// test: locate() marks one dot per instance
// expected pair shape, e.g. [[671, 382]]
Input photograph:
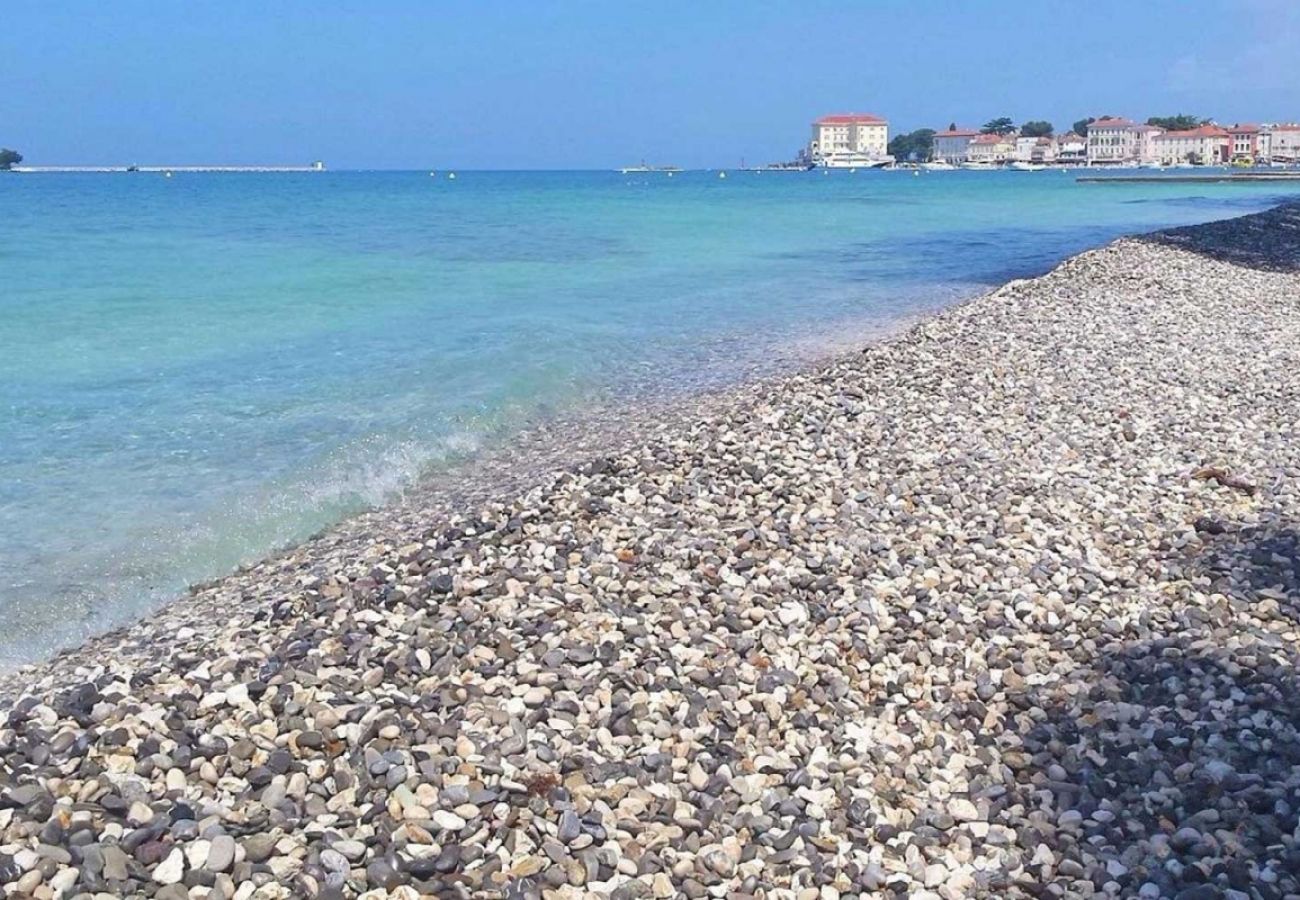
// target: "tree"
[[1081, 127], [1002, 125], [952, 126], [1180, 122], [1036, 128], [9, 158], [917, 144]]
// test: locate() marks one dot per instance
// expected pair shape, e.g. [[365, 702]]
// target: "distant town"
[[860, 140]]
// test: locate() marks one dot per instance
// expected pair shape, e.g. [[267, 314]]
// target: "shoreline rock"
[[1007, 606]]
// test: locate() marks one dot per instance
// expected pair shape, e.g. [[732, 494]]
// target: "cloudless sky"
[[536, 84]]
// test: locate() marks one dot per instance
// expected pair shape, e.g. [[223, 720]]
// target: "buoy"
[[916, 174], [670, 174], [433, 174], [452, 176], [722, 174]]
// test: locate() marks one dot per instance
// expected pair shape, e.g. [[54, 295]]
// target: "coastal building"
[[991, 149], [1112, 140], [1244, 142], [849, 136], [952, 146], [1206, 145], [1024, 150], [1071, 148], [1144, 143], [1284, 142]]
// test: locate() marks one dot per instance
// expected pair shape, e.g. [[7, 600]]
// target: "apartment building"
[[1112, 140], [991, 148], [1284, 142], [849, 134], [1206, 145], [953, 145]]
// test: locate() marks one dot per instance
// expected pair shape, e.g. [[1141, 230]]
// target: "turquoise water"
[[196, 369]]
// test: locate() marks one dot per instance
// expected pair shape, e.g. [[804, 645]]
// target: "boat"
[[796, 166], [852, 159], [978, 165], [629, 170], [1026, 166], [938, 165]]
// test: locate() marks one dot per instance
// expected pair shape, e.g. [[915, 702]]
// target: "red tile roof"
[[989, 139], [851, 119], [1201, 132], [957, 132], [1112, 122], [1244, 128], [1285, 126]]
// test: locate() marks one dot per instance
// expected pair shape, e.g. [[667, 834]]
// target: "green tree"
[[1081, 127], [1002, 125], [1180, 122], [913, 145], [9, 158], [1036, 128]]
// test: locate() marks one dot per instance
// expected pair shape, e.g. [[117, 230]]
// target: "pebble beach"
[[1005, 606]]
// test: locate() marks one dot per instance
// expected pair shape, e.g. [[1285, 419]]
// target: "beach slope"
[[1008, 606]]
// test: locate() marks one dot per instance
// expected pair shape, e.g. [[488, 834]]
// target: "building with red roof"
[[849, 134], [1115, 140], [1248, 141], [991, 148], [851, 119], [953, 145], [1206, 145]]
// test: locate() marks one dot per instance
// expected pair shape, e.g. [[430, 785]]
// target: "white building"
[[849, 135], [1024, 151], [1284, 142], [1035, 149], [1071, 148], [1206, 145], [953, 145], [1112, 141]]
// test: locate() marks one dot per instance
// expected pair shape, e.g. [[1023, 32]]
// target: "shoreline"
[[543, 449], [913, 619]]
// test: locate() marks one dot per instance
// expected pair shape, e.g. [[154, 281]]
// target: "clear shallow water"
[[197, 369]]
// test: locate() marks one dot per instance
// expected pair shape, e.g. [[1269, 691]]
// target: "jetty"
[[1220, 178]]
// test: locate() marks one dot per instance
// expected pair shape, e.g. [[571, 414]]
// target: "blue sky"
[[497, 84]]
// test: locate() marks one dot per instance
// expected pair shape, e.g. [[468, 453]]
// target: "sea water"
[[195, 370]]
